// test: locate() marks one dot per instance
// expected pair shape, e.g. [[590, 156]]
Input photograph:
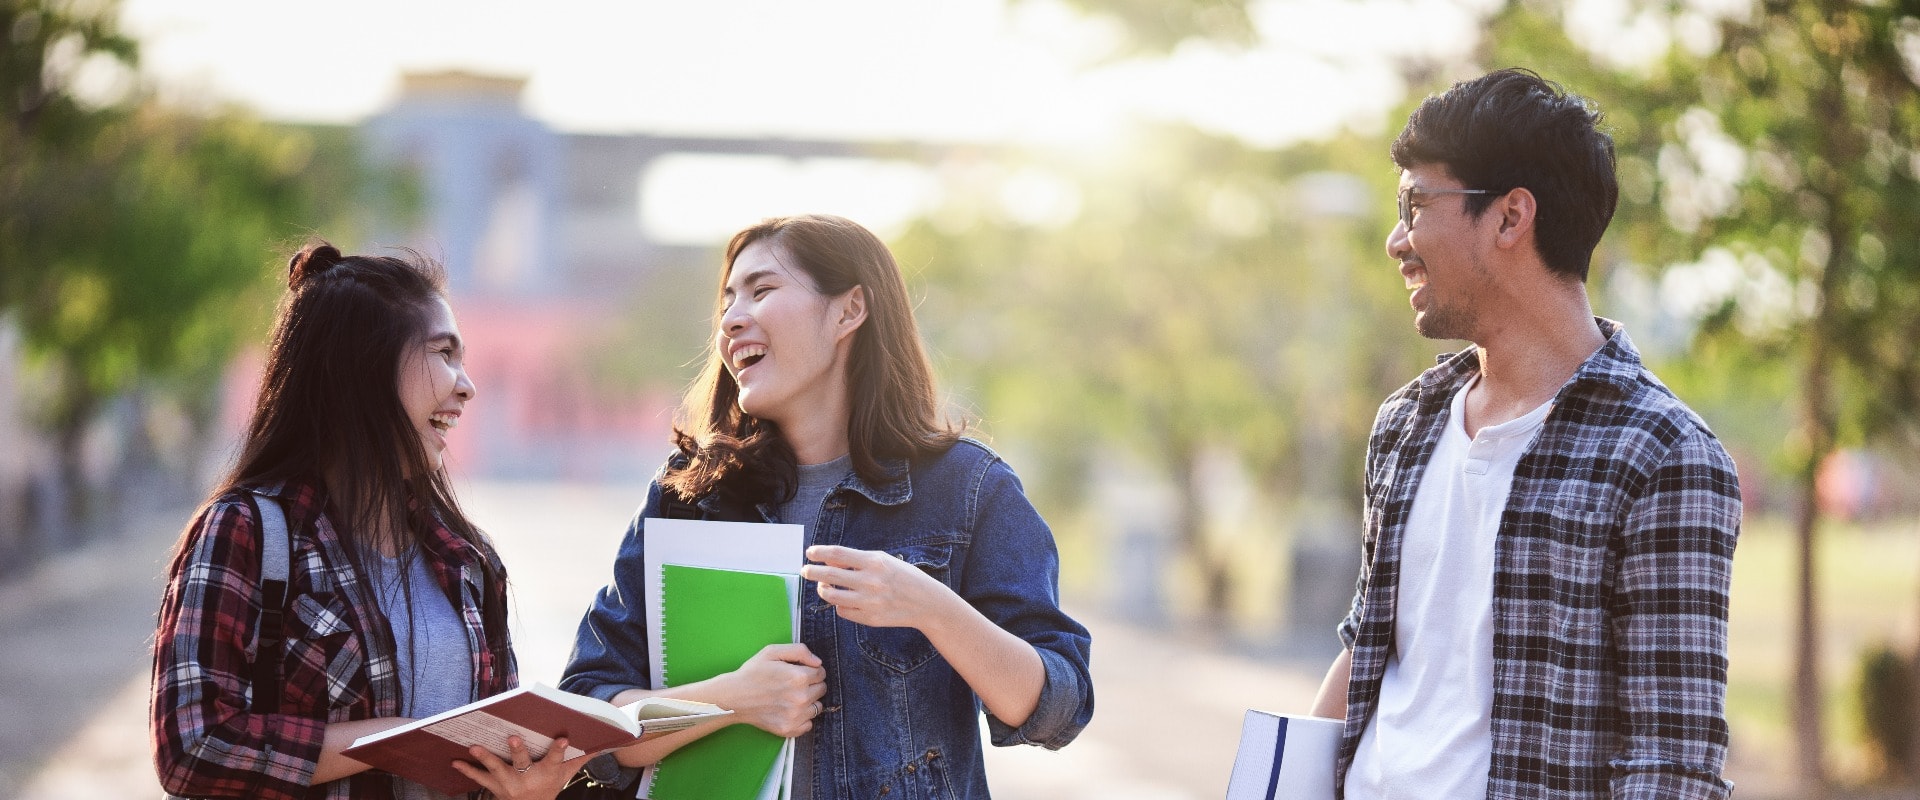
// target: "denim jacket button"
[[910, 769], [886, 789]]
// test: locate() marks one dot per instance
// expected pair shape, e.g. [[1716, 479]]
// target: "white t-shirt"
[[1431, 733]]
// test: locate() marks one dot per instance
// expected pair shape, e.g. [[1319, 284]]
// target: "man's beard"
[[1442, 321]]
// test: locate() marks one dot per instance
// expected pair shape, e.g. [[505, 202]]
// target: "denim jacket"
[[899, 723]]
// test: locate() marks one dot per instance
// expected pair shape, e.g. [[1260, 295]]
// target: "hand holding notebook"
[[715, 622], [776, 689]]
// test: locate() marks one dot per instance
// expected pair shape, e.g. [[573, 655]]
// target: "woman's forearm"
[[340, 736], [1003, 669]]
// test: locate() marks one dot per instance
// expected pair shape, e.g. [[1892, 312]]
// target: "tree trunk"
[[1190, 522], [1839, 143], [1913, 685], [1809, 738], [64, 524]]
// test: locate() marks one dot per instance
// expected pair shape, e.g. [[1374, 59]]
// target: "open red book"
[[423, 750]]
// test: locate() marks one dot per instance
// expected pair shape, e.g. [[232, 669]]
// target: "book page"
[[491, 732], [590, 706], [658, 708]]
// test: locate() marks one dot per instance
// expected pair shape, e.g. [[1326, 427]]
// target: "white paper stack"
[[1285, 757]]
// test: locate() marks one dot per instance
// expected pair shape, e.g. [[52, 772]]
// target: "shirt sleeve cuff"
[[1056, 718], [1662, 780]]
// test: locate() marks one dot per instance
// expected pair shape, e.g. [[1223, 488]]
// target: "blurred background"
[[1145, 237]]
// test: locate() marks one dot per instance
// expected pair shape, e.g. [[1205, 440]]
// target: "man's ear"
[[853, 310], [1517, 211]]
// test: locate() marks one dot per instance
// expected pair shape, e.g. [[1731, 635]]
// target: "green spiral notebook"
[[712, 621]]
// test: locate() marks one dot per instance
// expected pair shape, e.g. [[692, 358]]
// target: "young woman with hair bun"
[[395, 604]]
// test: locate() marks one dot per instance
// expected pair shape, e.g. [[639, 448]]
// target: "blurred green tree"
[[1194, 297], [138, 241]]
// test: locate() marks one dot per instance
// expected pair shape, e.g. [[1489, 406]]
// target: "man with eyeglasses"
[[1549, 531]]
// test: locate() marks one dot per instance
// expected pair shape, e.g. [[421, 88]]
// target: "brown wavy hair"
[[895, 407]]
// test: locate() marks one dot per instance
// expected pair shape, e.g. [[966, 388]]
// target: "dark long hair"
[[329, 405], [896, 410]]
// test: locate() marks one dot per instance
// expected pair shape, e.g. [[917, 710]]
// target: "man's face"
[[1442, 256]]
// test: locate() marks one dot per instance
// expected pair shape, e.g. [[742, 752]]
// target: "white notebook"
[[1285, 757]]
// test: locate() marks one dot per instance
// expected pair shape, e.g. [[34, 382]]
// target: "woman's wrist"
[[949, 616]]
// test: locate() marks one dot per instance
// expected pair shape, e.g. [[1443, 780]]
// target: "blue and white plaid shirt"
[[1611, 576]]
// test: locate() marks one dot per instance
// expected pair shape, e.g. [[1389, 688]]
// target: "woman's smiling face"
[[434, 387], [780, 337]]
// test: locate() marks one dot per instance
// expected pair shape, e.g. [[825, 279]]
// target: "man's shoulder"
[[1646, 404], [1640, 427]]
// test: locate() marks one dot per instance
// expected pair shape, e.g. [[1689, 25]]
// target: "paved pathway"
[[73, 665]]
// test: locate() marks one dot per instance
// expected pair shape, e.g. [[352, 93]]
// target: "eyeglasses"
[[1406, 200]]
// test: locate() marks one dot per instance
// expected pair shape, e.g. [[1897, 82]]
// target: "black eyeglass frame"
[[1406, 200]]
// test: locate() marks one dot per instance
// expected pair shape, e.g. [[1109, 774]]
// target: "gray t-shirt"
[[816, 480], [432, 658]]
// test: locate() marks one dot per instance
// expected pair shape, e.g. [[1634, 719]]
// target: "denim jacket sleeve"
[[1013, 578], [610, 649]]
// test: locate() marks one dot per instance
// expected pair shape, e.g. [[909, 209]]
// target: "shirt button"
[[886, 790], [910, 769]]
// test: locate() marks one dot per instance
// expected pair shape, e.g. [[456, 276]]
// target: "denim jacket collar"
[[894, 488]]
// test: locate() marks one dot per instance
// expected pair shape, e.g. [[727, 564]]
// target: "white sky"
[[925, 69], [1030, 71]]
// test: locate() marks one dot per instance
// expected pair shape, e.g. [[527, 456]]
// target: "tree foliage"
[[139, 243], [1194, 297]]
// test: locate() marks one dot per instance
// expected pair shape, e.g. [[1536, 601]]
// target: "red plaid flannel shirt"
[[338, 662]]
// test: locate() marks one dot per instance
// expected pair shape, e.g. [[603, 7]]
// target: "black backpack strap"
[[672, 505], [275, 564]]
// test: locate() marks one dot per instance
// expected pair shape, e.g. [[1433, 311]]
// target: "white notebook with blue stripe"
[[1285, 757]]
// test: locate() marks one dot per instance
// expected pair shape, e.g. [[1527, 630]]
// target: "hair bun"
[[314, 259]]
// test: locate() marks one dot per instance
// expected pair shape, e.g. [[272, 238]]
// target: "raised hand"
[[873, 587]]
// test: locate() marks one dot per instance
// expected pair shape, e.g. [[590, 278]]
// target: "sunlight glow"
[[1032, 71], [701, 199], [1027, 72]]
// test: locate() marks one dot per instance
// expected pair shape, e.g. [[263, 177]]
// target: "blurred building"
[[543, 237]]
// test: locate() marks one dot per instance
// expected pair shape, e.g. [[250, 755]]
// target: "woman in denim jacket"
[[932, 584]]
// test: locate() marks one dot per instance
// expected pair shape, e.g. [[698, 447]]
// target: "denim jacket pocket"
[[905, 649], [923, 778], [324, 643]]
